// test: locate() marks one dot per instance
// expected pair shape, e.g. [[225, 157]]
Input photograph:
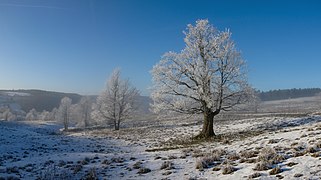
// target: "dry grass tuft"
[[262, 166], [143, 170], [255, 175], [205, 162], [275, 171], [290, 164], [137, 165], [298, 175], [167, 165], [311, 149], [216, 169], [249, 154], [228, 169], [233, 156]]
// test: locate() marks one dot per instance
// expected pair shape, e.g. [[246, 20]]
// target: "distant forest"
[[288, 93]]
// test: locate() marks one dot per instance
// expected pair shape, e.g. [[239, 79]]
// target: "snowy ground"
[[289, 147]]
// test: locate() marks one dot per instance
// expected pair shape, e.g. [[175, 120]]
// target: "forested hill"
[[288, 93], [47, 100], [38, 99]]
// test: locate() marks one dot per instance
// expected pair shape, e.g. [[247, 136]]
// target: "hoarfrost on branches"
[[117, 102], [206, 77], [64, 111]]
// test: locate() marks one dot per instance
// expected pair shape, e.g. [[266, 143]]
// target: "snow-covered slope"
[[31, 150]]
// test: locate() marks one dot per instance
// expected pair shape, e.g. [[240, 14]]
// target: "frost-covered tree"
[[45, 116], [82, 111], [8, 115], [208, 76], [117, 102], [64, 111], [32, 115], [86, 108]]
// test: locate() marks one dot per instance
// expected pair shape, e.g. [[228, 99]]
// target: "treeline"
[[288, 93]]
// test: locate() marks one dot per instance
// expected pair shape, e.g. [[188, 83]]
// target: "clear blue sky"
[[73, 45]]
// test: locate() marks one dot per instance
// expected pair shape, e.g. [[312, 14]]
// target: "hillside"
[[287, 93], [47, 100], [38, 99]]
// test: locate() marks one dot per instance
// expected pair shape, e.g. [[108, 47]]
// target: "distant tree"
[[86, 108], [254, 101], [53, 114], [64, 111], [7, 115], [82, 111], [208, 76], [117, 102], [45, 116], [32, 115]]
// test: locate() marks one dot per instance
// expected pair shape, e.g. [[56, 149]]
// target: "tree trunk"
[[207, 130], [118, 123], [115, 125], [65, 122]]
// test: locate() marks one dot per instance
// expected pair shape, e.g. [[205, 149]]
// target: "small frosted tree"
[[82, 111], [64, 111], [8, 115], [117, 102], [208, 76], [32, 115], [45, 116]]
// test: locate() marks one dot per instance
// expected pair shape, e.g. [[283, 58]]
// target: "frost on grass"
[[267, 158], [228, 169]]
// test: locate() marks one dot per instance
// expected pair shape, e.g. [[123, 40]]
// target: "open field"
[[269, 146], [281, 140]]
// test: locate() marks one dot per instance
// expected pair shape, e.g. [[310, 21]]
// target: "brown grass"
[[275, 171], [228, 169]]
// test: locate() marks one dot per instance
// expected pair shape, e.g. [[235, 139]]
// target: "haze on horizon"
[[72, 46]]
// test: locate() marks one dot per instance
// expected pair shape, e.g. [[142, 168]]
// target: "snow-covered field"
[[262, 148]]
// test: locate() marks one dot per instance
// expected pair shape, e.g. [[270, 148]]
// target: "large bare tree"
[[117, 102], [208, 76]]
